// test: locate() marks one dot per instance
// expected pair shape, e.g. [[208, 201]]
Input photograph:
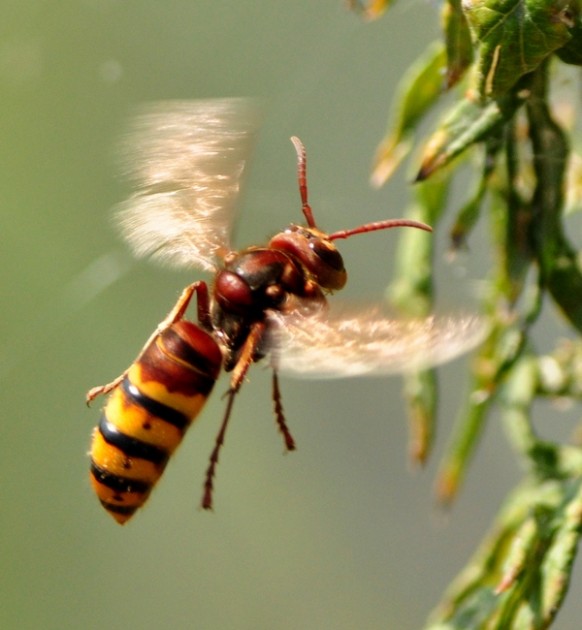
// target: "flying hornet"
[[265, 302]]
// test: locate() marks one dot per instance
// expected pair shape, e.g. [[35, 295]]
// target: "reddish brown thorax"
[[296, 264]]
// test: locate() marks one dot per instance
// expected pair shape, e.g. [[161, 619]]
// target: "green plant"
[[504, 59]]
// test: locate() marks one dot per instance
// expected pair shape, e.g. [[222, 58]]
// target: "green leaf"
[[419, 89], [457, 41], [515, 37], [560, 263], [421, 397], [520, 574], [470, 211], [572, 51], [469, 121], [412, 295]]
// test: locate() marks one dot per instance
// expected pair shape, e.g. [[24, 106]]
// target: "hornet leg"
[[175, 315]]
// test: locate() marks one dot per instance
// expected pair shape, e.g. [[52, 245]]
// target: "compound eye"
[[328, 255], [326, 264]]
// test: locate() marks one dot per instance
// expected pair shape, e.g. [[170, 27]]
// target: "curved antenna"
[[302, 180], [380, 225], [362, 229]]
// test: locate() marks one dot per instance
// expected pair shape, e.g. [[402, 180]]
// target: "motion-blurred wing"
[[368, 343], [186, 159]]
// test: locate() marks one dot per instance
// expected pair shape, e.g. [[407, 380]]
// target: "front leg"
[[247, 354]]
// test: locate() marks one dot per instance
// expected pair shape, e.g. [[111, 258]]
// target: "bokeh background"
[[339, 534]]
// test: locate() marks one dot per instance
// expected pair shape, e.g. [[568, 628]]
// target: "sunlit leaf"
[[419, 89], [469, 121], [519, 576], [457, 41], [515, 37]]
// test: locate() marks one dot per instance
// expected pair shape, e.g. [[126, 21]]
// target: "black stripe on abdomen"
[[129, 446], [153, 407], [117, 483]]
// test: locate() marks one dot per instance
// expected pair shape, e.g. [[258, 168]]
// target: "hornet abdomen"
[[148, 413]]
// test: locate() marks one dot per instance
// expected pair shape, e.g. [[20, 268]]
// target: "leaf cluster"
[[501, 61]]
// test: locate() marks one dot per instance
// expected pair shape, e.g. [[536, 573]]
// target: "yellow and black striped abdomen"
[[147, 415]]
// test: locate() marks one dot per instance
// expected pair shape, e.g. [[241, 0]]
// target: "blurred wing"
[[186, 159], [368, 343]]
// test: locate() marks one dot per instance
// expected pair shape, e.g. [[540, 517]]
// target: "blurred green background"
[[338, 534]]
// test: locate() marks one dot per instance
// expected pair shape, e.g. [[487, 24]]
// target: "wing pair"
[[187, 160]]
